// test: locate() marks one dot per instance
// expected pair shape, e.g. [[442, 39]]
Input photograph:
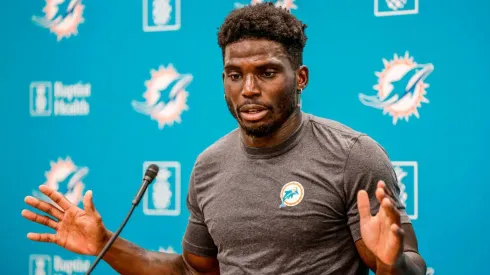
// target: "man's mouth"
[[253, 112]]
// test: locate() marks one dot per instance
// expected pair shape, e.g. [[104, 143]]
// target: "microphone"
[[150, 174]]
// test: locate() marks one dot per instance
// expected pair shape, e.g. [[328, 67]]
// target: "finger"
[[44, 220], [47, 238], [396, 239], [388, 195], [382, 184], [380, 194], [56, 196], [397, 230], [88, 204], [391, 211], [387, 191], [44, 206], [363, 206]]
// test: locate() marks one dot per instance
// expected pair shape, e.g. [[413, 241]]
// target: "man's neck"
[[286, 130]]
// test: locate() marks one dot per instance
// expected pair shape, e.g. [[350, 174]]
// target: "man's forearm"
[[410, 263], [127, 258]]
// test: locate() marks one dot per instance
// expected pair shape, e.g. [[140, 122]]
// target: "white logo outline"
[[177, 187], [49, 98], [164, 27], [46, 258], [414, 164], [378, 13]]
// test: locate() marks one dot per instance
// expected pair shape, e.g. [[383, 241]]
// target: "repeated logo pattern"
[[400, 92]]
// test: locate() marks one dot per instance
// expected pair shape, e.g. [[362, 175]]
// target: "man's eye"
[[268, 74], [234, 76]]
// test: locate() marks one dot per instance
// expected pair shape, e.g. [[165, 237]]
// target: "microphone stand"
[[111, 240], [150, 175]]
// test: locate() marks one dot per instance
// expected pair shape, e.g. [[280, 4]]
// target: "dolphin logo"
[[164, 79], [63, 11], [292, 194], [61, 17], [288, 194], [400, 87]]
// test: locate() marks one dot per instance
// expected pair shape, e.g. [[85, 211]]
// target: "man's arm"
[[127, 258], [199, 255], [379, 224], [411, 263]]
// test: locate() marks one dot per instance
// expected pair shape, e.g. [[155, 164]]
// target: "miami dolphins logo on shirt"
[[292, 194]]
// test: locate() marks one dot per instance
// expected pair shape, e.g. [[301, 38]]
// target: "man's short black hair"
[[265, 21]]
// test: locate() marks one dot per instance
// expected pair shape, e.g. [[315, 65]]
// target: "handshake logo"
[[54, 265]]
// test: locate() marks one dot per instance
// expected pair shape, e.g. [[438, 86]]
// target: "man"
[[285, 193]]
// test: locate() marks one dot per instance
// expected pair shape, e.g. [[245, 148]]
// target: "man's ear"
[[302, 75]]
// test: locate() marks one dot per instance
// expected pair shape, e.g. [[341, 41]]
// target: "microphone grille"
[[151, 172]]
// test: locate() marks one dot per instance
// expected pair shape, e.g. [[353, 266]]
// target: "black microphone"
[[150, 174]]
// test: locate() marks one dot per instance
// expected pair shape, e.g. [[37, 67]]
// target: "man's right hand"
[[77, 230], [82, 232]]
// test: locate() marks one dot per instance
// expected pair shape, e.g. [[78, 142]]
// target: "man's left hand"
[[382, 234]]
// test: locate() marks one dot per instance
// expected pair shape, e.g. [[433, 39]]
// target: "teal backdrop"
[[93, 91]]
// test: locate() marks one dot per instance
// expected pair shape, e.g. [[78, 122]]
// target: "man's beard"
[[285, 108]]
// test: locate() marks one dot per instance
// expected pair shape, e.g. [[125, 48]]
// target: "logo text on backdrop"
[[53, 265], [395, 7], [161, 15], [59, 99], [407, 177], [67, 178], [166, 110], [61, 17], [163, 195], [401, 89]]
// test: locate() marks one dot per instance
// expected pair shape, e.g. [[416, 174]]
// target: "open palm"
[[77, 230], [382, 234]]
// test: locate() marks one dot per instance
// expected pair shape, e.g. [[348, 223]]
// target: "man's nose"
[[250, 87]]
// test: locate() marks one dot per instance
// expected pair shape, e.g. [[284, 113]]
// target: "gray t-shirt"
[[287, 209]]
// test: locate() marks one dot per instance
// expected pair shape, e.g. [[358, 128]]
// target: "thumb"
[[363, 206], [88, 204]]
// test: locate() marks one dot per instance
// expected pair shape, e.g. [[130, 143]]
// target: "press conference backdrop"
[[93, 91]]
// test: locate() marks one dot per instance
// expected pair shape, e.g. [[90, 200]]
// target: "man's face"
[[260, 85]]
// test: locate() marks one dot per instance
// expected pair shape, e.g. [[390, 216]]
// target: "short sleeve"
[[197, 239], [365, 166]]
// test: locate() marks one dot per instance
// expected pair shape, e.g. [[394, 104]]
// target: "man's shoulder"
[[220, 148], [355, 144], [331, 128], [344, 140]]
